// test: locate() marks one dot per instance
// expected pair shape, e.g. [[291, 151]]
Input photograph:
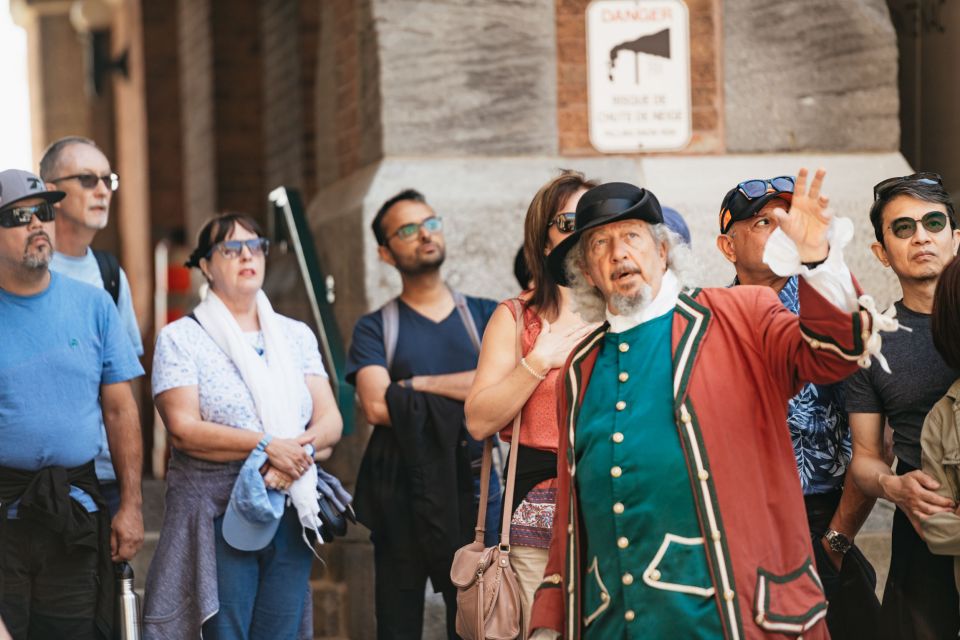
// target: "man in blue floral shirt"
[[816, 418]]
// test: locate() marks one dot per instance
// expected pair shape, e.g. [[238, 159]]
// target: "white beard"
[[632, 305]]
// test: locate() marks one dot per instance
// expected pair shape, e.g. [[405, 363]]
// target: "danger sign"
[[638, 70]]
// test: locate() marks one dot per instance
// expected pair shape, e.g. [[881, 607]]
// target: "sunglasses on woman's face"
[[231, 249], [565, 222], [933, 221], [21, 216]]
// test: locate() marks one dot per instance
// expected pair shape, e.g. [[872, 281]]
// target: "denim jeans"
[[261, 592]]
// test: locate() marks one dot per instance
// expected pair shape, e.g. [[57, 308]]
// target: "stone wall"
[[465, 78], [815, 75]]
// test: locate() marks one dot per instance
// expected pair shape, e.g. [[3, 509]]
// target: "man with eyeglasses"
[[915, 226], [75, 166], [426, 340], [815, 417], [65, 369]]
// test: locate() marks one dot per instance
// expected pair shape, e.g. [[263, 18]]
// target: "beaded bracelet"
[[526, 365], [262, 445]]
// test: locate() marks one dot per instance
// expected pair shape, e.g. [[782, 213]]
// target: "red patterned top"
[[538, 420]]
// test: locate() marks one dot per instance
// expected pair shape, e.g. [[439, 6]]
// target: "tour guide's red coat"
[[738, 356]]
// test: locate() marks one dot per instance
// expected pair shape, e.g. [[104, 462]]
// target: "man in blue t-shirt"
[[433, 352], [77, 167], [65, 364]]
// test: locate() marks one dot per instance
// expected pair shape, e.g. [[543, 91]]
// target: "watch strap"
[[838, 541]]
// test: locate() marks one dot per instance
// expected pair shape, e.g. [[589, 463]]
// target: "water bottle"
[[128, 604]]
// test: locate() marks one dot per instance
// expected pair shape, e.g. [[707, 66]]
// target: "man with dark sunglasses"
[[816, 419], [76, 167], [65, 369], [914, 222]]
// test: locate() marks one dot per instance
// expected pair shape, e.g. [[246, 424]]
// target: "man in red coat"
[[679, 511]]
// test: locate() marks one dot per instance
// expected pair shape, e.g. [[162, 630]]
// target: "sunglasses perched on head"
[[758, 188], [565, 222], [932, 221], [924, 177], [21, 216], [408, 231], [90, 180], [231, 249]]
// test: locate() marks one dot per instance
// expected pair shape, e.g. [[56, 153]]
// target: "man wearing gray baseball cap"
[[65, 362]]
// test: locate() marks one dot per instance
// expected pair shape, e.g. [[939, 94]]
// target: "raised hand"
[[551, 349], [808, 219]]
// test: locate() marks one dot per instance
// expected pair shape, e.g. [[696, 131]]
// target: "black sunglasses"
[[932, 221], [21, 216], [752, 189], [231, 249], [90, 180], [566, 222], [923, 177]]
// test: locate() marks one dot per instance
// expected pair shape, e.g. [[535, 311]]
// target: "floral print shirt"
[[818, 425]]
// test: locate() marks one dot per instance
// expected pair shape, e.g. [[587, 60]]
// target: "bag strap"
[[390, 315], [511, 464], [109, 272], [461, 301]]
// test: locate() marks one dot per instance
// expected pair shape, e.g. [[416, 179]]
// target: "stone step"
[[329, 610]]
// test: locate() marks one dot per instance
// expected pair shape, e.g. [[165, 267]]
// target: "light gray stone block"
[[462, 77], [814, 75], [483, 202]]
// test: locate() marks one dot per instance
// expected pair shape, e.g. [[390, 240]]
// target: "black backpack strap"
[[109, 273]]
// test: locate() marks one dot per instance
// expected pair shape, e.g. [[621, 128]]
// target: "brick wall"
[[282, 91], [198, 171], [163, 101], [309, 21], [238, 108], [346, 92], [706, 85]]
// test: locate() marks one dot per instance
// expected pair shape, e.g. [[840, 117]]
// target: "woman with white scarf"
[[232, 377]]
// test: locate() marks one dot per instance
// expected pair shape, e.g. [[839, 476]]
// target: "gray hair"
[[50, 161], [589, 302]]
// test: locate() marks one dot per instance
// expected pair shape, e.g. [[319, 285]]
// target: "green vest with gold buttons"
[[646, 573]]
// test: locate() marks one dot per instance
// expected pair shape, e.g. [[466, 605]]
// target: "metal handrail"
[[290, 217]]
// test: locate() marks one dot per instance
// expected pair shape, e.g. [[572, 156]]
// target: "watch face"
[[838, 542]]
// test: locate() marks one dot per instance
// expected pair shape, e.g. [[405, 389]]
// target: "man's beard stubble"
[[418, 266], [632, 305], [39, 258]]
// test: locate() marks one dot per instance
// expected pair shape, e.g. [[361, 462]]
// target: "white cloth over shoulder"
[[272, 381], [832, 280]]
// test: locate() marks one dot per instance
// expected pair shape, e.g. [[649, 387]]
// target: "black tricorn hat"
[[606, 203]]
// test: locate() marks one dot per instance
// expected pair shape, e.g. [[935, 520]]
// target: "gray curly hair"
[[589, 302]]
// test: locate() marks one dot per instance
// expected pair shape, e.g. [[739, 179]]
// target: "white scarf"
[[273, 381]]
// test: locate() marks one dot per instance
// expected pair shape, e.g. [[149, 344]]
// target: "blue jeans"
[[261, 592]]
